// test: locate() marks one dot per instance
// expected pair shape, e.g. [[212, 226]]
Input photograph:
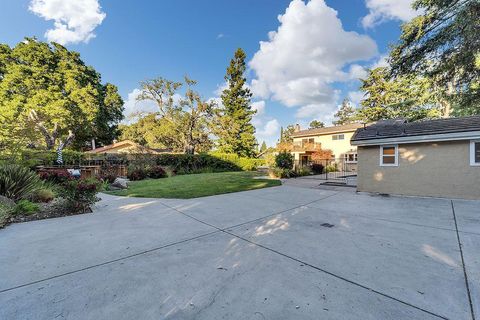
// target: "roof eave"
[[297, 135], [469, 135]]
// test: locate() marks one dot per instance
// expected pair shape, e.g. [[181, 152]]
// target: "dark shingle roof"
[[395, 129], [327, 130]]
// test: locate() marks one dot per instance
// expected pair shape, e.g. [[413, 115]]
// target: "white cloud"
[[385, 10], [305, 56], [381, 62], [132, 106], [74, 20], [259, 106], [355, 97], [357, 72], [271, 129], [220, 36]]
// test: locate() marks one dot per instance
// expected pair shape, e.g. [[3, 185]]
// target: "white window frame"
[[396, 156], [472, 153], [355, 157]]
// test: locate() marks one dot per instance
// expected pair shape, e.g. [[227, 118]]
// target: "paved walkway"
[[279, 253]]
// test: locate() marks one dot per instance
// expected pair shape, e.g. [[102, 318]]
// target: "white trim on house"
[[472, 153], [395, 164], [472, 135]]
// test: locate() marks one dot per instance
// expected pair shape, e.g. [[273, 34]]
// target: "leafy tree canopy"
[[316, 124], [63, 93], [442, 44], [233, 121], [182, 123]]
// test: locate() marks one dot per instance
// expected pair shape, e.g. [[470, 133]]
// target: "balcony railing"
[[303, 147]]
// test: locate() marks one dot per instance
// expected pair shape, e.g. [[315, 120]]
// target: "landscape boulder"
[[120, 183]]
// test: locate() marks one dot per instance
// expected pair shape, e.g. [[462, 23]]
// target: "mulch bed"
[[53, 209]]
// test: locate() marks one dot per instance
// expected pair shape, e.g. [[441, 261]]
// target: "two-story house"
[[336, 139]]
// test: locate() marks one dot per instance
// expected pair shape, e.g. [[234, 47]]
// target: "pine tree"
[[234, 128], [346, 114], [263, 148]]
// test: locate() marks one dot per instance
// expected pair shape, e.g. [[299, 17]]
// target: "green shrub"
[[25, 207], [18, 182], [33, 158], [281, 173], [137, 174], [246, 164], [284, 160], [156, 172], [5, 213], [304, 171], [187, 163], [317, 168], [80, 193], [43, 195], [270, 159], [331, 167]]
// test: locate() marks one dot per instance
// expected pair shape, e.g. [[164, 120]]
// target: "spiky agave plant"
[[18, 182]]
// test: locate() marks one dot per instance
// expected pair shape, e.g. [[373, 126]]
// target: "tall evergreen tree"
[[410, 96], [263, 148], [442, 44], [346, 114], [233, 125]]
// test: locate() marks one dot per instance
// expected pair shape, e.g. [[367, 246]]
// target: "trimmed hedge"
[[180, 163], [33, 158], [246, 164]]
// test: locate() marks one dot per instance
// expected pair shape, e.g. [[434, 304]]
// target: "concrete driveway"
[[280, 253]]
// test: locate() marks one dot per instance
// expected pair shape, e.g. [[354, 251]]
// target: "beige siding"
[[338, 147], [424, 169]]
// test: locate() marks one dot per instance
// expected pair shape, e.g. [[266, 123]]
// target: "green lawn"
[[196, 185]]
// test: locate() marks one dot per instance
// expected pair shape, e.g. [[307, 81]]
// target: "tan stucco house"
[[438, 158], [336, 139]]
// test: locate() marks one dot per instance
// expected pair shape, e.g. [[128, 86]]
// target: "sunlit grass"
[[196, 185]]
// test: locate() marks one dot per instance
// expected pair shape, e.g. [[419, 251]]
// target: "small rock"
[[297, 307], [120, 183]]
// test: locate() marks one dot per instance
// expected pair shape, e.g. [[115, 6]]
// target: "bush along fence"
[[117, 164]]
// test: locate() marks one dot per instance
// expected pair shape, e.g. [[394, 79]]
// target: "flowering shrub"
[[80, 193], [57, 176], [157, 172]]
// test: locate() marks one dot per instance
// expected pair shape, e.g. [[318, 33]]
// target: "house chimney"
[[93, 144], [297, 127]]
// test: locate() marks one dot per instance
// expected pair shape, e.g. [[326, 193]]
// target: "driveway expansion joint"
[[226, 231], [463, 262], [109, 262]]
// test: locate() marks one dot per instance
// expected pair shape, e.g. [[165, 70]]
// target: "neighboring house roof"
[[419, 131], [327, 130], [127, 144]]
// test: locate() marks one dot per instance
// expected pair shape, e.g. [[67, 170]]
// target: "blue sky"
[[300, 73]]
